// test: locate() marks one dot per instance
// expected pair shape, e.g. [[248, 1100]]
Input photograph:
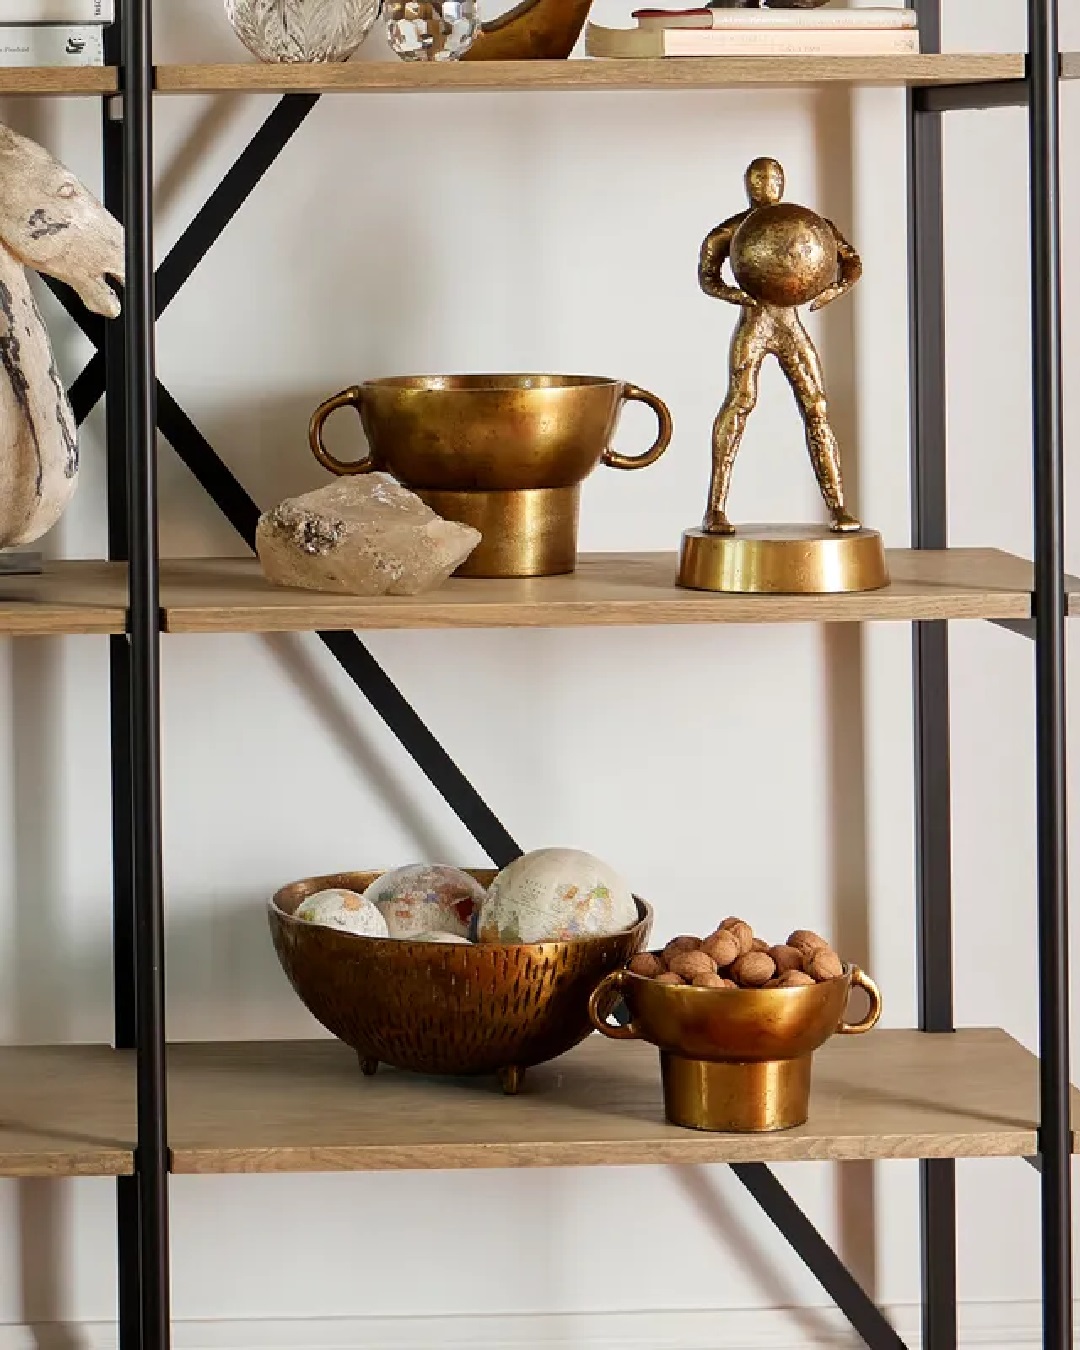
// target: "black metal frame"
[[139, 405]]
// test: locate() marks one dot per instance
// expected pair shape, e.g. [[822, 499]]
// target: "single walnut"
[[728, 984], [774, 983], [645, 963], [669, 977], [743, 932], [723, 947], [805, 940], [824, 965], [795, 979], [690, 964], [759, 945], [786, 958], [712, 981], [753, 969], [685, 943]]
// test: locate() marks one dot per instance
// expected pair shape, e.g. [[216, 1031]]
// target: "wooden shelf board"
[[68, 597], [303, 1106], [231, 595], [684, 73], [57, 80], [66, 1111]]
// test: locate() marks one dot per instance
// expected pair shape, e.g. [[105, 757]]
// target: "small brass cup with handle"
[[506, 454], [734, 1059]]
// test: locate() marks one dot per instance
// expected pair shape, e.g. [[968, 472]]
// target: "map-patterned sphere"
[[553, 894], [424, 898], [343, 909], [784, 255]]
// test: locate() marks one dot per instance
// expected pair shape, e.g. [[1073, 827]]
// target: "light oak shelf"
[[303, 1106], [67, 598], [374, 77], [231, 595], [57, 80], [684, 73]]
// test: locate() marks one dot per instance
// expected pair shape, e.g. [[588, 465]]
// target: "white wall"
[[721, 770]]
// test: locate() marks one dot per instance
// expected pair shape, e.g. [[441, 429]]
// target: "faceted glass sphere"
[[784, 255], [432, 30], [302, 30]]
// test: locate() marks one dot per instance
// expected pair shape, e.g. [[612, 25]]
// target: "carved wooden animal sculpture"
[[533, 30], [50, 222]]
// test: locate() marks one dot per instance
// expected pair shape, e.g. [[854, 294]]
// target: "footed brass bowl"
[[445, 1008], [734, 1059]]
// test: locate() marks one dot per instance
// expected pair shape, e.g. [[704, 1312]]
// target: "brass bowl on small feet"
[[444, 1008], [734, 1059]]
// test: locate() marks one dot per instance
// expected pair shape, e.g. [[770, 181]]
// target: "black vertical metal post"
[[930, 656], [1055, 1142], [151, 1161], [129, 1308]]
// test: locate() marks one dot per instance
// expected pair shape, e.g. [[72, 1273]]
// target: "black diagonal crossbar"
[[347, 649], [819, 1258], [198, 239]]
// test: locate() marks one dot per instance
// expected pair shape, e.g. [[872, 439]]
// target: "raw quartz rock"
[[365, 535]]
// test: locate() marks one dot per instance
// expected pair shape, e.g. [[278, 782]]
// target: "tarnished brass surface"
[[505, 453], [783, 560], [493, 433], [734, 1059], [781, 256], [443, 1008], [535, 30], [528, 533]]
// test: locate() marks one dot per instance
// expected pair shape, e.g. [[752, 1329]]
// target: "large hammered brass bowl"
[[735, 1059], [445, 1008]]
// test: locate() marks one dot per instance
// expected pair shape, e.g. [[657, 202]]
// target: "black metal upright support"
[[930, 656], [1055, 1139], [129, 1308], [151, 1157]]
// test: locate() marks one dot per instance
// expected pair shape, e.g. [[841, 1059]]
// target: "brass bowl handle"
[[632, 394], [873, 1016], [610, 984], [348, 398]]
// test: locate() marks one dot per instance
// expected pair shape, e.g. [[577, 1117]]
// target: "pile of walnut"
[[733, 958]]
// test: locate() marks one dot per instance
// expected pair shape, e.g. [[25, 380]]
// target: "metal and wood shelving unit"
[[137, 1111]]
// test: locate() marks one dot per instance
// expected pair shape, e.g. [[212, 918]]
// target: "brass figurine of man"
[[782, 256]]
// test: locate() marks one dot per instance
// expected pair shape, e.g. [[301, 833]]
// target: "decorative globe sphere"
[[553, 894], [784, 255]]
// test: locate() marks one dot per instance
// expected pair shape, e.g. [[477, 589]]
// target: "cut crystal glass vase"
[[302, 30]]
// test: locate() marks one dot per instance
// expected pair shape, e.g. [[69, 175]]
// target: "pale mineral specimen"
[[365, 535]]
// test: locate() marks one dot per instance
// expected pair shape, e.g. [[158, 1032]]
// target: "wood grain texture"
[[57, 80], [684, 73], [66, 1111], [69, 597], [231, 595], [304, 1106]]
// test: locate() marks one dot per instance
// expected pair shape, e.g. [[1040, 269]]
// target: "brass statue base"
[[705, 1095], [527, 532], [783, 560]]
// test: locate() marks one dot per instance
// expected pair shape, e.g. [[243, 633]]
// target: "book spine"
[[788, 20], [714, 42], [21, 12], [52, 45]]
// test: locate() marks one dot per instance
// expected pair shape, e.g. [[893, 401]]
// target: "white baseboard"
[[988, 1326]]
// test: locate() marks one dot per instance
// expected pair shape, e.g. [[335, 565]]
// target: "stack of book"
[[711, 31], [54, 32]]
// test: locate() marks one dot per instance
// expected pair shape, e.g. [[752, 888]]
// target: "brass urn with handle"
[[506, 454]]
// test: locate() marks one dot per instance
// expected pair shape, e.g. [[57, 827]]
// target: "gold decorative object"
[[782, 256], [445, 1008], [506, 454], [734, 1059], [533, 30]]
